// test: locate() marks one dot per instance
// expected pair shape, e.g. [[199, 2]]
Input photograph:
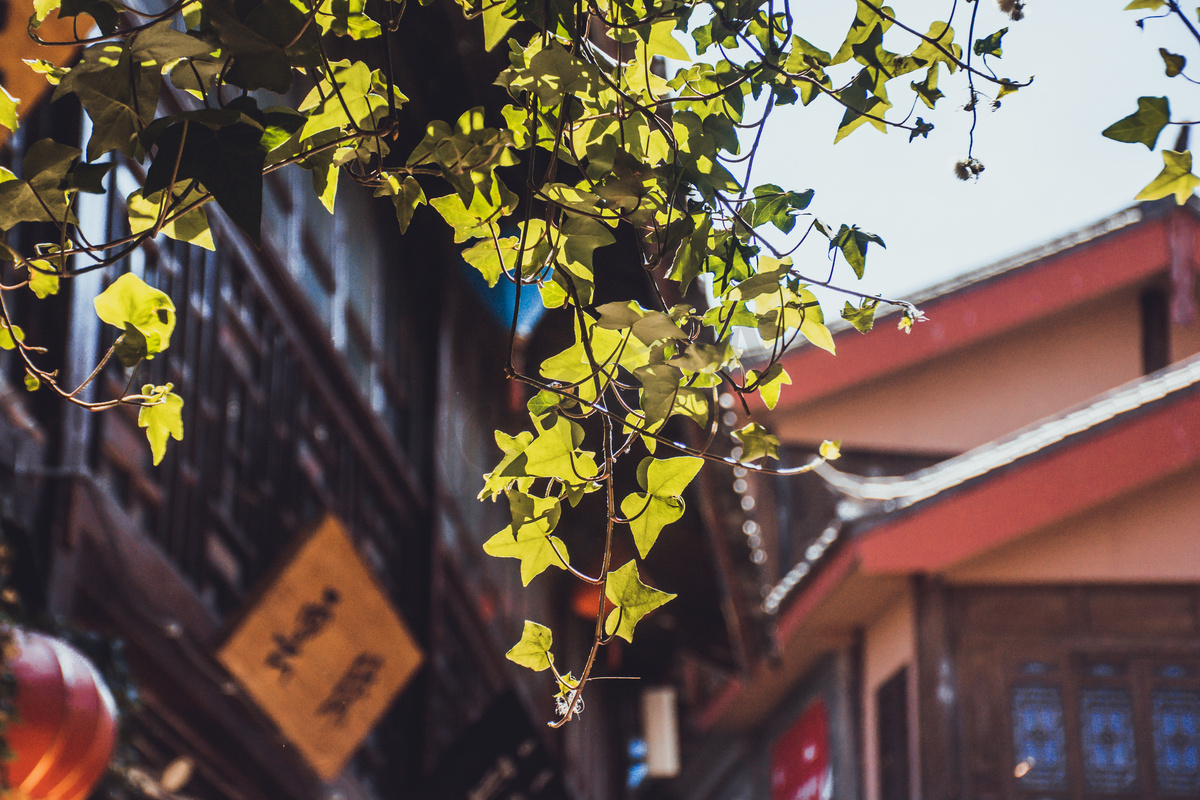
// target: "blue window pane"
[[1039, 737], [1177, 742], [1175, 671], [1106, 728], [1104, 670]]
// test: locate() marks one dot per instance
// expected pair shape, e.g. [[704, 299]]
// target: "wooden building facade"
[[331, 372], [995, 594]]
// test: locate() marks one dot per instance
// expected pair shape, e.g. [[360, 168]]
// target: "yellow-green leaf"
[[501, 477], [42, 279], [1176, 178], [9, 336], [831, 450], [130, 300], [42, 8], [530, 542], [632, 598], [771, 383], [756, 442], [495, 24], [533, 651], [8, 109], [662, 43], [648, 512], [32, 382], [192, 227], [817, 333], [162, 417]]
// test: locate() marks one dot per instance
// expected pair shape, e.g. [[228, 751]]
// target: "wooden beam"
[[938, 756]]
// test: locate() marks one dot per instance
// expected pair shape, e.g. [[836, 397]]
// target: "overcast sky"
[[1048, 169]]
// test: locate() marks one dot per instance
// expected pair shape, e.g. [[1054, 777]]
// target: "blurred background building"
[[994, 594]]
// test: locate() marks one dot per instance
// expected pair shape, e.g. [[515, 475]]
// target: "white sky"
[[1048, 169]]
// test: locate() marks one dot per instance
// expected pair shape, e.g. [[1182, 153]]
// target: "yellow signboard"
[[323, 652]]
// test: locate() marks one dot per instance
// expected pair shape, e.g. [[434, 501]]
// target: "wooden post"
[[938, 739]]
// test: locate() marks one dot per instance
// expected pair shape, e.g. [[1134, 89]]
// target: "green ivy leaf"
[[495, 25], [32, 382], [815, 331], [192, 227], [227, 157], [929, 53], [1144, 125], [499, 479], [1176, 178], [861, 107], [831, 450], [8, 109], [266, 39], [662, 42], [632, 598], [533, 651], [130, 347], [772, 204], [43, 280], [130, 301], [1173, 62], [475, 221], [555, 453], [660, 385], [756, 443], [10, 335], [162, 416], [43, 196], [406, 195], [347, 18], [861, 317], [770, 383], [990, 45], [853, 243], [42, 8], [927, 89], [528, 538], [41, 66], [348, 89], [664, 481]]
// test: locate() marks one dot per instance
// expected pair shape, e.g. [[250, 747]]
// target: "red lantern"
[[67, 720]]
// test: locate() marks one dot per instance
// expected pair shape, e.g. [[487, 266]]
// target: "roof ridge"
[[901, 491]]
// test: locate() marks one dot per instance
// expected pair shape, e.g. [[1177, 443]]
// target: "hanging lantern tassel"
[[67, 720]]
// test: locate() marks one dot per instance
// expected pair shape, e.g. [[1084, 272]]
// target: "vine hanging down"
[[614, 129]]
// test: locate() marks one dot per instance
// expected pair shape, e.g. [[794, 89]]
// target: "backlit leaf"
[[1176, 178], [533, 651], [162, 417], [632, 598], [528, 538], [129, 300]]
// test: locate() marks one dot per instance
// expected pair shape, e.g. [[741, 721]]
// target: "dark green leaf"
[[228, 161], [1173, 62], [990, 45], [1144, 125], [103, 12], [853, 243]]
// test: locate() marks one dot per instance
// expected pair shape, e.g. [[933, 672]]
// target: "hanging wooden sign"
[[322, 651]]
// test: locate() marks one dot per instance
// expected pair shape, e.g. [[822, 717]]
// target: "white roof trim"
[[902, 491]]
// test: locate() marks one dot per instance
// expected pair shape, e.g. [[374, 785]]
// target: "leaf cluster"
[[612, 131]]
